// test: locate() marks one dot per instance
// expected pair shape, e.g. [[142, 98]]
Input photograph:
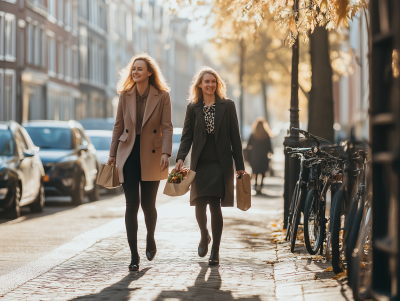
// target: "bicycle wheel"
[[352, 241], [362, 260], [291, 209], [337, 245], [312, 224], [299, 204]]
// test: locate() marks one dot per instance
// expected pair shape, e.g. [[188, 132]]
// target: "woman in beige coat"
[[141, 145]]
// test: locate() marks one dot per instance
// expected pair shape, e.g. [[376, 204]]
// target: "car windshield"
[[6, 143], [50, 138], [177, 138], [101, 143]]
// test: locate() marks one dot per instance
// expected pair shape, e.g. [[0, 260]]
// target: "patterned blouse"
[[209, 115]]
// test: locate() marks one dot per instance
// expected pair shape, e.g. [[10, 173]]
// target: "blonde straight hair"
[[156, 79], [195, 92]]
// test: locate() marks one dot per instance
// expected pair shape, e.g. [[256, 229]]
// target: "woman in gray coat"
[[211, 129]]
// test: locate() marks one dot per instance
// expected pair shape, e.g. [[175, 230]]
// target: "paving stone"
[[177, 273]]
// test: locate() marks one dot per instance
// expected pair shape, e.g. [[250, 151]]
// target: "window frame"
[[2, 42], [13, 20], [10, 72]]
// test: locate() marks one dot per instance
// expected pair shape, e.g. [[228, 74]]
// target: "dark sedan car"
[[21, 171], [69, 159]]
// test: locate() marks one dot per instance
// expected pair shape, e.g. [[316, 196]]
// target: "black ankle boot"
[[134, 266], [214, 258], [203, 245], [150, 254]]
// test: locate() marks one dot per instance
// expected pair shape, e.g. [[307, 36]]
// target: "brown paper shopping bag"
[[174, 189], [243, 192], [108, 176]]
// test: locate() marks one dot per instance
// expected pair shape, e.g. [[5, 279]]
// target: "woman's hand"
[[179, 165], [240, 172], [164, 162], [111, 160]]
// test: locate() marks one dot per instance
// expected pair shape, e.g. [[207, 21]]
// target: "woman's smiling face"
[[140, 72], [208, 84]]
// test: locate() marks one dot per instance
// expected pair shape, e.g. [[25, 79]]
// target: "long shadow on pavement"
[[203, 289], [118, 291]]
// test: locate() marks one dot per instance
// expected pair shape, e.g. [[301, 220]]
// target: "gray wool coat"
[[227, 140]]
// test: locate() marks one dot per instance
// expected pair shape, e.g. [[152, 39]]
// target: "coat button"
[[153, 151], [155, 131], [126, 130]]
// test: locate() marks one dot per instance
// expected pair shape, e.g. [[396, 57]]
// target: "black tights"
[[216, 218], [145, 195]]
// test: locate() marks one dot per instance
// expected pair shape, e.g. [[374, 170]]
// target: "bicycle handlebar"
[[305, 133]]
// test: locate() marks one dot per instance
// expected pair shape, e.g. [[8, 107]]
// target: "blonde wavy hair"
[[195, 92], [156, 79]]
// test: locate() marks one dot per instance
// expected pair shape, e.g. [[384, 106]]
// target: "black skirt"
[[209, 179]]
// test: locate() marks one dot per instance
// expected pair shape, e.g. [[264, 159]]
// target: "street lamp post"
[[292, 165]]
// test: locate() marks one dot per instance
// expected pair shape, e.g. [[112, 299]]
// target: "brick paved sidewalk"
[[177, 273]]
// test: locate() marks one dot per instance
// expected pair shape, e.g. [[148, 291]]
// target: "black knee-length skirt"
[[209, 179]]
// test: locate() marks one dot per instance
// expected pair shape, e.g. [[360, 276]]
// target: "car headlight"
[[3, 193]]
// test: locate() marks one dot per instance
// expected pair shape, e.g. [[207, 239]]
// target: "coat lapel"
[[131, 95], [198, 110], [152, 101], [219, 114]]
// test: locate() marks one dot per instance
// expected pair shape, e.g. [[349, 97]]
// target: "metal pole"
[[292, 165]]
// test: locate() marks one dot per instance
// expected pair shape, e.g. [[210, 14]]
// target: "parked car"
[[102, 142], [106, 124], [21, 171], [69, 159]]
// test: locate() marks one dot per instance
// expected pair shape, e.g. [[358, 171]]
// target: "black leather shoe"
[[214, 258], [134, 266], [203, 246], [151, 254]]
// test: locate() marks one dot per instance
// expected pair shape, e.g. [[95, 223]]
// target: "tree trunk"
[[320, 106], [264, 94]]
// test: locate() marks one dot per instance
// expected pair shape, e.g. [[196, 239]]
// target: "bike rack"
[[385, 146]]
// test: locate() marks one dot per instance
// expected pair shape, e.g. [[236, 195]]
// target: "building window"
[[36, 47], [1, 35], [68, 13], [9, 95], [68, 63], [52, 8], [29, 44], [83, 53], [21, 46], [76, 64], [43, 48], [60, 11], [60, 60], [51, 54], [9, 37]]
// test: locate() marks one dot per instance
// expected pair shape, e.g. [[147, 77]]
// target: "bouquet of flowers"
[[177, 176], [178, 182]]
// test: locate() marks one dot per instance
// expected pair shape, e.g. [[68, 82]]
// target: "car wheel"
[[79, 194], [94, 193], [15, 210], [38, 204]]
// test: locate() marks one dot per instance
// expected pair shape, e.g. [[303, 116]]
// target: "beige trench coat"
[[156, 136]]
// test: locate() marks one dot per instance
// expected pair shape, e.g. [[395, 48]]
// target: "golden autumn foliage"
[[239, 17]]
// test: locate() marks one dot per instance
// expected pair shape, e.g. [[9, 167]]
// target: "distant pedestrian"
[[211, 129], [141, 145], [259, 149]]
